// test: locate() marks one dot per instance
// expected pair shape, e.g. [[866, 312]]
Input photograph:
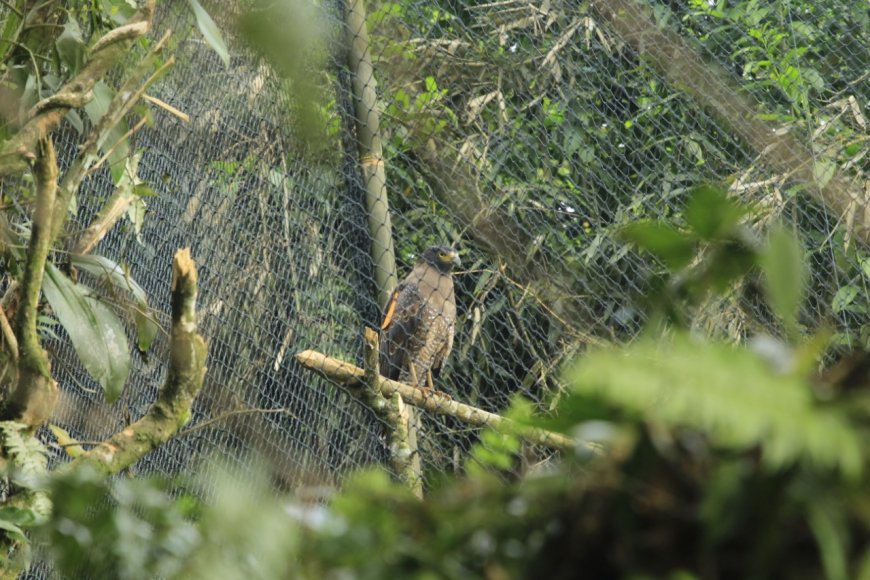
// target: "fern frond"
[[13, 441], [41, 505], [27, 458], [727, 392], [26, 453]]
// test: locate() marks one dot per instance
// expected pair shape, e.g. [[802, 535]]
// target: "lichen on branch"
[[35, 394], [20, 149], [186, 373]]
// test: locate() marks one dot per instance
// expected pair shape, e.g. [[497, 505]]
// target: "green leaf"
[[11, 22], [119, 10], [17, 516], [785, 274], [111, 271], [674, 247], [823, 171], [75, 120], [210, 31], [100, 266], [143, 190], [498, 449], [843, 298], [27, 454], [70, 46], [66, 441], [136, 214], [729, 393], [95, 331], [694, 148], [12, 531], [728, 262], [828, 526], [30, 94], [710, 213], [813, 78], [114, 137]]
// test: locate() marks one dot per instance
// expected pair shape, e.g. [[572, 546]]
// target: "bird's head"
[[442, 257]]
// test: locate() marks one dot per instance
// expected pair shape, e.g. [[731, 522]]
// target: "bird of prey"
[[419, 320]]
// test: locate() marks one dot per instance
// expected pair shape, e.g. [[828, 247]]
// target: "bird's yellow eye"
[[446, 257]]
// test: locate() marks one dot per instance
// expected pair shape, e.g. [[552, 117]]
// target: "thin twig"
[[167, 107], [77, 443], [12, 7], [96, 166], [209, 422], [124, 100], [550, 59], [9, 335], [582, 336]]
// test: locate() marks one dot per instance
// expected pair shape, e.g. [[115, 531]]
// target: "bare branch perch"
[[403, 439], [186, 372], [352, 376]]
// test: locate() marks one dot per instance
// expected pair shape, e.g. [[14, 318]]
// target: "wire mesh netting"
[[524, 134]]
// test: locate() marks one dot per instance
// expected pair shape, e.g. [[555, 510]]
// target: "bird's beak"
[[455, 257]]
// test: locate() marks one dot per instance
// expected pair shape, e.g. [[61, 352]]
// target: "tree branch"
[[125, 99], [46, 115], [172, 409], [403, 438], [352, 376], [8, 335], [106, 218], [35, 394]]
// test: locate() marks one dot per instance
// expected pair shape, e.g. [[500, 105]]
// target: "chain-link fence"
[[524, 134]]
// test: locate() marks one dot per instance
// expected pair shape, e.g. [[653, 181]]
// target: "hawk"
[[419, 320]]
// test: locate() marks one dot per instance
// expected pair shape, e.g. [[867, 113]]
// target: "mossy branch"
[[353, 377], [172, 410], [35, 394], [17, 152]]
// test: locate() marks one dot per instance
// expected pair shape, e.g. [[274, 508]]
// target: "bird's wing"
[[390, 310], [398, 331]]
